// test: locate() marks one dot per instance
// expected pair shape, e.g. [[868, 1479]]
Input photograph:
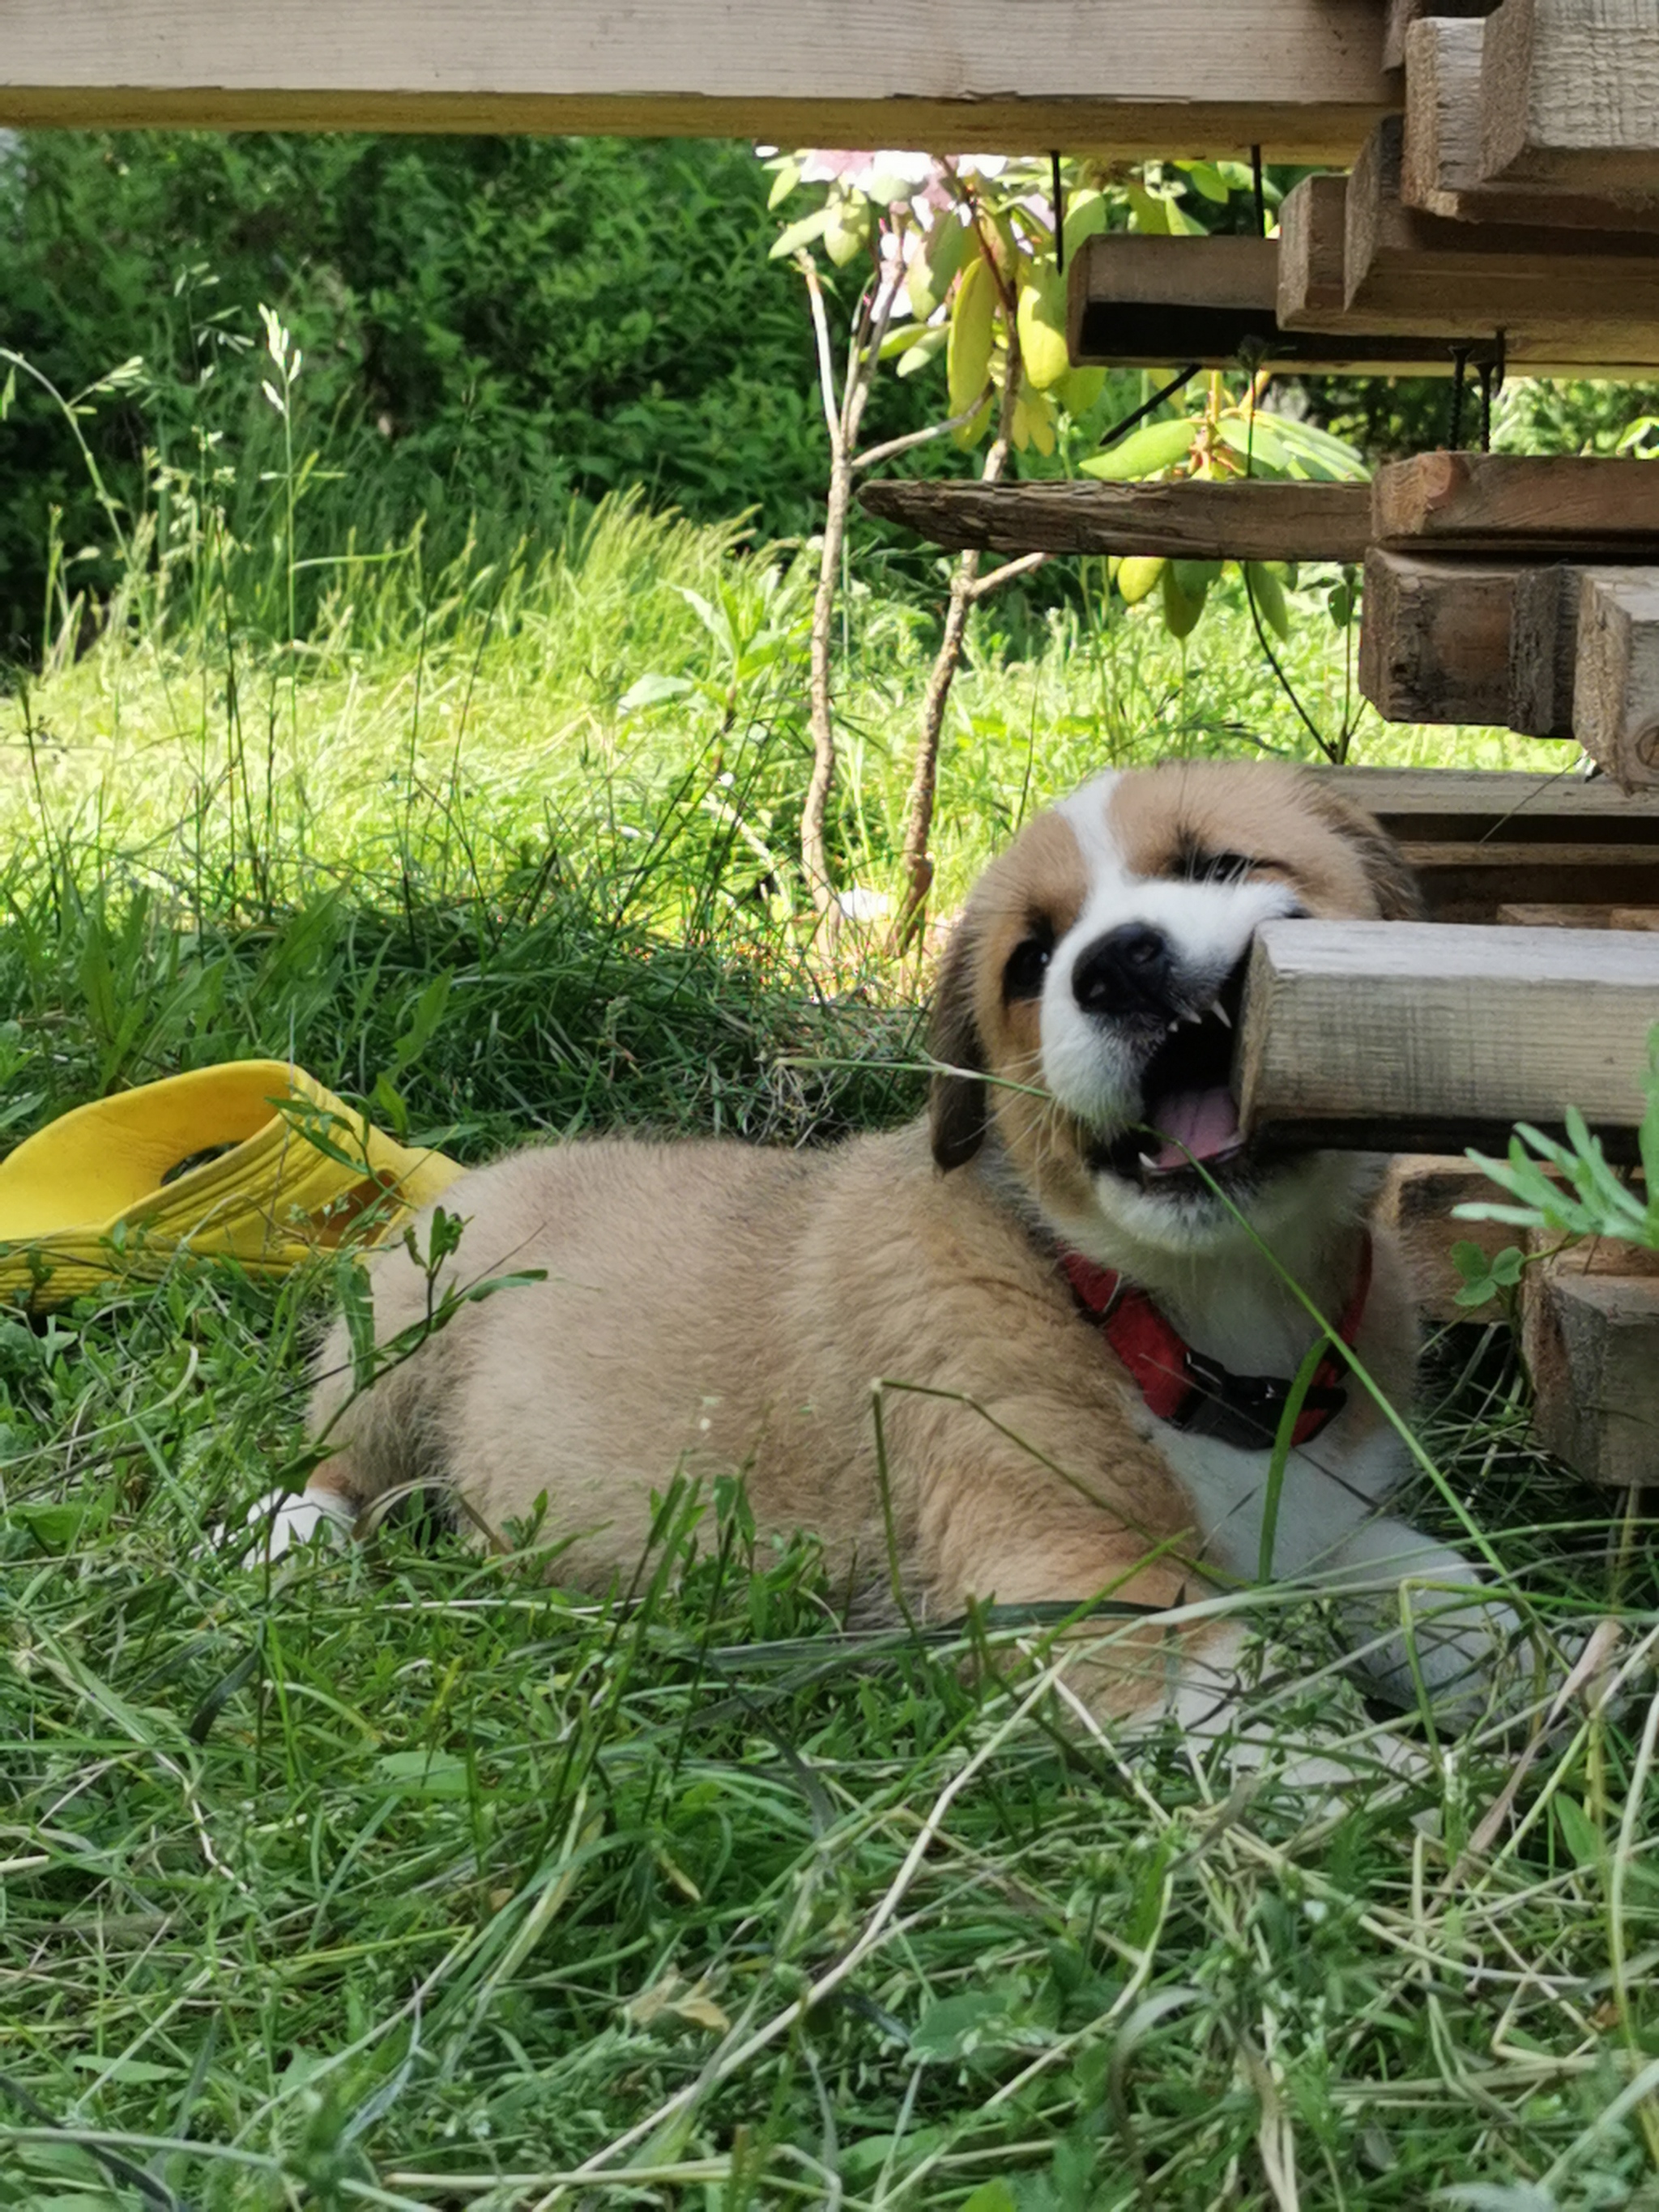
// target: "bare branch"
[[893, 446], [983, 585], [809, 270]]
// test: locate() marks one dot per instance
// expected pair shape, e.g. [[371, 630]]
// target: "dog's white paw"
[[285, 1521]]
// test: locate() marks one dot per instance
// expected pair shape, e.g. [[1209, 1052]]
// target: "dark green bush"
[[491, 326]]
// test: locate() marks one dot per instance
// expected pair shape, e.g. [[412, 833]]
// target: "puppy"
[[1079, 1351]]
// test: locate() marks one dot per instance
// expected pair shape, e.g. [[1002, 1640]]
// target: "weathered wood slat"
[[1601, 292], [1440, 166], [1434, 638], [1419, 1037], [1526, 916], [1590, 1330], [1498, 806], [1313, 284], [1300, 78], [1616, 685], [1255, 521], [1569, 93], [1519, 504], [1402, 15], [1135, 302], [1543, 647], [1415, 1206]]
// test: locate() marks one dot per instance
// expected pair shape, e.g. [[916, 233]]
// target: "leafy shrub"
[[495, 325]]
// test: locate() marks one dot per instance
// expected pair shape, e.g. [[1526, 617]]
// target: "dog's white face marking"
[[1101, 974], [1092, 1062]]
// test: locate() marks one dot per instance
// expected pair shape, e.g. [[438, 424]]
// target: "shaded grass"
[[396, 1876]]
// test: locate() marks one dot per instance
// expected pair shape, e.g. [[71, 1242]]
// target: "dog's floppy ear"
[[957, 1103], [1393, 885]]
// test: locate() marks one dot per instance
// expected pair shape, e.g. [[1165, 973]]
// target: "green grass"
[[396, 1876]]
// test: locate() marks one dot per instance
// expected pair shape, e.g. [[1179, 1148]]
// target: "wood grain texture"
[[1615, 690], [1136, 301], [1415, 1206], [1524, 916], [1438, 1036], [1401, 15], [1590, 1332], [1434, 637], [1518, 503], [1511, 277], [1313, 219], [1504, 807], [1543, 647], [1569, 93], [1257, 521], [1440, 171], [1301, 77]]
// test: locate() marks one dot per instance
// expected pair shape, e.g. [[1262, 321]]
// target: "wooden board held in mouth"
[[1425, 1036]]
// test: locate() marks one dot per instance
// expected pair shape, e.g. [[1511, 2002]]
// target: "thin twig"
[[872, 455]]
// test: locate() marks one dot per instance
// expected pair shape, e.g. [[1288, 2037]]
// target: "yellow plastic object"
[[109, 1190]]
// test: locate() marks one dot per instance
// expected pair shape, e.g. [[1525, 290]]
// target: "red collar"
[[1199, 1394]]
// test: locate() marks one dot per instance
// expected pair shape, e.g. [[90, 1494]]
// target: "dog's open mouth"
[[1188, 1111]]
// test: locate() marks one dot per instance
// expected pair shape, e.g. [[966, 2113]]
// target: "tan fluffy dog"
[[712, 1307]]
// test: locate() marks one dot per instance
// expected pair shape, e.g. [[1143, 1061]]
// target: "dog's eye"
[[1028, 963], [1204, 867]]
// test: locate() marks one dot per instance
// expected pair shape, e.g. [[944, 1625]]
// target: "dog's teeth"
[[1148, 1162], [1221, 1014], [1173, 1027], [1190, 1017]]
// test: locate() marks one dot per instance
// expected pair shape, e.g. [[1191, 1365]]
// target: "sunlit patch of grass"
[[396, 1876]]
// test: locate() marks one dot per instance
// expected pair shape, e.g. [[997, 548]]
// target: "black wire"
[[1166, 391], [1460, 369], [1057, 195], [1491, 383], [1261, 190]]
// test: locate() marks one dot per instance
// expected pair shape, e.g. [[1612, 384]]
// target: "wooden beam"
[[1543, 648], [1472, 883], [1518, 505], [1188, 520], [1615, 692], [1135, 302], [1416, 1037], [1415, 1206], [1599, 290], [1434, 637], [1505, 807], [1590, 1333], [1570, 95], [1402, 15], [1440, 163], [1313, 222], [1302, 78], [1531, 917]]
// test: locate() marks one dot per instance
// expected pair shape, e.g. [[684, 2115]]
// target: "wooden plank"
[[1135, 302], [1402, 15], [1415, 1206], [1590, 1333], [1421, 1038], [1434, 637], [1498, 807], [1313, 286], [1190, 519], [1615, 691], [1440, 163], [1600, 290], [1300, 78], [1532, 916], [1543, 647], [1570, 95], [1518, 504], [1472, 884]]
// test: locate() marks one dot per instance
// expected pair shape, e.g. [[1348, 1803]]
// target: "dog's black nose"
[[1125, 972]]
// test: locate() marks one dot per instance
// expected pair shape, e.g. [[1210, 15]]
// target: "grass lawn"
[[395, 1876]]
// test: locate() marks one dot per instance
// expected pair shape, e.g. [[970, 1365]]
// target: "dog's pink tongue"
[[1205, 1122]]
